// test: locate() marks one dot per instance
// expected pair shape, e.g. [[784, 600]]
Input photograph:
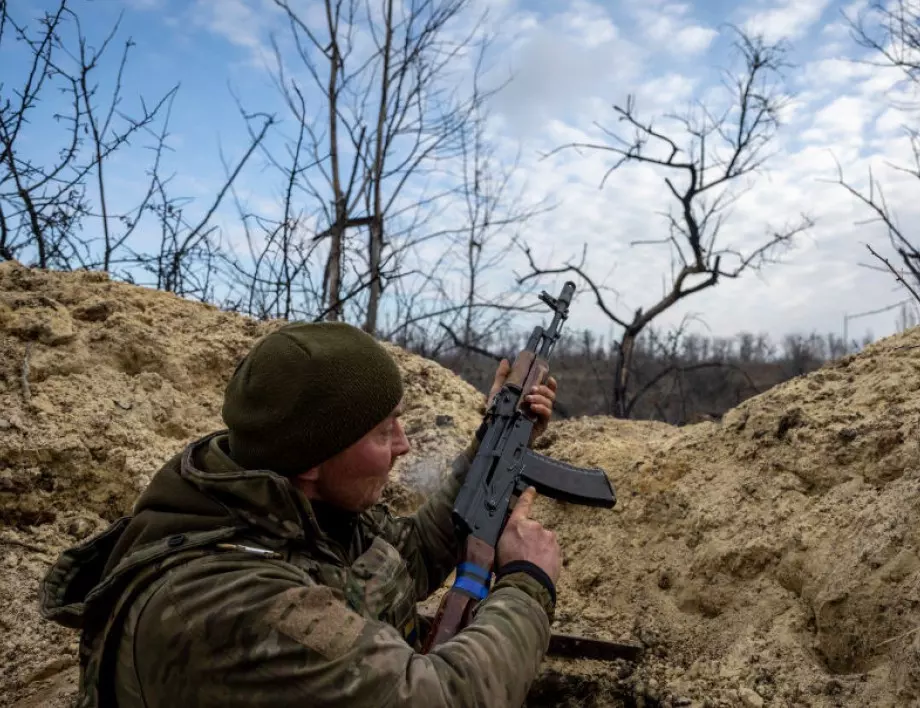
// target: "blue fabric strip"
[[474, 588], [472, 569]]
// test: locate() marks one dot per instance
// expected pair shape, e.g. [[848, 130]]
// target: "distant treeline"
[[677, 378]]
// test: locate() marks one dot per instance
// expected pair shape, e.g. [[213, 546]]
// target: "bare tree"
[[891, 31], [189, 251], [375, 160], [488, 228], [53, 201], [706, 161], [901, 241], [44, 202]]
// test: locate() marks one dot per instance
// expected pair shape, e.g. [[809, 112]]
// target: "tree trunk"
[[334, 266], [337, 230], [375, 238], [620, 402], [375, 250]]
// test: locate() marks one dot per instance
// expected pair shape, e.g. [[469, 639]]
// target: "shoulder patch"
[[314, 617]]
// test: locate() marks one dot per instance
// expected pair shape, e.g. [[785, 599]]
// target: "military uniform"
[[223, 590]]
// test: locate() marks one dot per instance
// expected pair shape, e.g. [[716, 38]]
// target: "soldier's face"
[[354, 479]]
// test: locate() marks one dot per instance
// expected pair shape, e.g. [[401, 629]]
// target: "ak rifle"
[[504, 466]]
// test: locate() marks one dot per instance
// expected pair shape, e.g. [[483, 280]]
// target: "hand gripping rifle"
[[504, 467]]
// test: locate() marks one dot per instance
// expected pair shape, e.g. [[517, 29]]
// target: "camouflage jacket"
[[222, 590]]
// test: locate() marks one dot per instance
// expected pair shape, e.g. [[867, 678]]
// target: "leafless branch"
[[896, 274], [705, 162]]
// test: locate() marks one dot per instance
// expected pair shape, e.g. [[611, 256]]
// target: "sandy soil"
[[769, 560]]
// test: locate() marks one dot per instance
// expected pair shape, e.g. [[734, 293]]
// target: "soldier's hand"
[[501, 373], [539, 399], [526, 540]]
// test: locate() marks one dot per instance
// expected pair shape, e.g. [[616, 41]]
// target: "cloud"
[[834, 72], [787, 19], [892, 120], [144, 5], [840, 122], [560, 63], [669, 26], [246, 24]]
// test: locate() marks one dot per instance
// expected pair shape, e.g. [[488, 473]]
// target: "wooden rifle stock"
[[457, 604]]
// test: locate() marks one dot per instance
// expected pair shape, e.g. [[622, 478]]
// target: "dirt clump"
[[772, 559]]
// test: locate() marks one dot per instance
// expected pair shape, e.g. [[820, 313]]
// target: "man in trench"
[[258, 568]]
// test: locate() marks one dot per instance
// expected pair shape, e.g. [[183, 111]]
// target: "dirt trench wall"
[[775, 553], [770, 560]]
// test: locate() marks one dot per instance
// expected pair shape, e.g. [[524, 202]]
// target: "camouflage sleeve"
[[270, 637], [426, 539]]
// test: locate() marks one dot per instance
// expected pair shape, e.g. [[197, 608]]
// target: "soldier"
[[259, 570]]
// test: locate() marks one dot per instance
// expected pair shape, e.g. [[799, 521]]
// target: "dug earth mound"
[[767, 560]]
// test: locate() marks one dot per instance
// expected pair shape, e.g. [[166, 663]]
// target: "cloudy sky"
[[569, 62]]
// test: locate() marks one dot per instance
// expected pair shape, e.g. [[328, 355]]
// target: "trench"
[[556, 689]]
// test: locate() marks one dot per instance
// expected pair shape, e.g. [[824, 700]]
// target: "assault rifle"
[[503, 468]]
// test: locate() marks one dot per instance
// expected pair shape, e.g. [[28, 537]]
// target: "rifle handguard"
[[528, 371]]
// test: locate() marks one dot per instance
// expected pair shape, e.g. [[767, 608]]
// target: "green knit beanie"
[[306, 392]]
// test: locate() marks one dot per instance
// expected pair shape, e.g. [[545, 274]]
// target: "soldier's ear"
[[310, 475]]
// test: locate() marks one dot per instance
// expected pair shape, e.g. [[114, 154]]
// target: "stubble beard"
[[352, 492]]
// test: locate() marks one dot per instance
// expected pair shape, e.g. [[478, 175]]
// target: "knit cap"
[[306, 392]]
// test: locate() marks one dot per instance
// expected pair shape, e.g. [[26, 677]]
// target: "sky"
[[566, 65]]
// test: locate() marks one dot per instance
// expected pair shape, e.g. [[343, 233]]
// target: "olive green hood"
[[203, 489], [199, 497]]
